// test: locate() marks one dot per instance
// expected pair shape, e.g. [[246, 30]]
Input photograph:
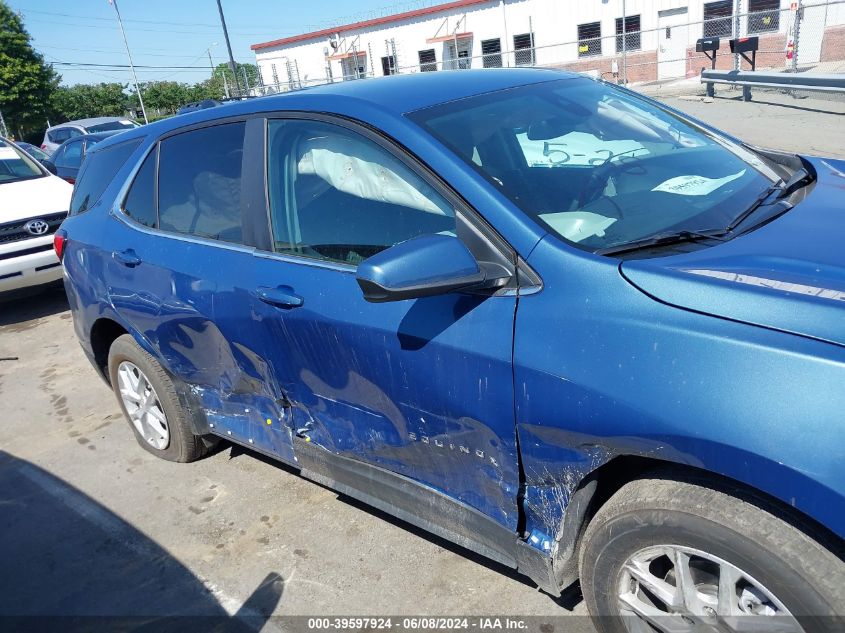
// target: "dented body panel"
[[482, 418], [619, 373]]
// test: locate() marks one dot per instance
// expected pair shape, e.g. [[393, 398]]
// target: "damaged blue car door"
[[421, 388]]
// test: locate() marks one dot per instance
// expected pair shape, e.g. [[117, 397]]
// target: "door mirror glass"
[[420, 267]]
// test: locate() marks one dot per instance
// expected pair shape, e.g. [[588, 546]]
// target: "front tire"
[[669, 555], [148, 399]]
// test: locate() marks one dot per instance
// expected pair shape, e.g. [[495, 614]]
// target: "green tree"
[[88, 100], [26, 80], [165, 96], [223, 70]]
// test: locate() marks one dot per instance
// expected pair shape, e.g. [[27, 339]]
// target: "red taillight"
[[43, 145], [59, 242], [71, 180]]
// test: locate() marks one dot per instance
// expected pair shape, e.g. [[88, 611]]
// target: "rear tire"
[[148, 399], [733, 552]]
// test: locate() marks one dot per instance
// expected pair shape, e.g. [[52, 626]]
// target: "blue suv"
[[558, 323]]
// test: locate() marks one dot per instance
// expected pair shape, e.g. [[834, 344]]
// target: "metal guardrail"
[[830, 82]]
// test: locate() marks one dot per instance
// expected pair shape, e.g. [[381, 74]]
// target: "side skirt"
[[425, 508]]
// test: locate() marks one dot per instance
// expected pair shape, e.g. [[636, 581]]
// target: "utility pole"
[[129, 55], [232, 66], [624, 45]]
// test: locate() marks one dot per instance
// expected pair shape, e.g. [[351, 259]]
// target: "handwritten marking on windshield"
[[695, 185]]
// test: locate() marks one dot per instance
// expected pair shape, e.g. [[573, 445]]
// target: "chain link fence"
[[808, 34]]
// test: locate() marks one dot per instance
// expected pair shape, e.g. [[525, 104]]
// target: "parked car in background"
[[33, 203], [33, 151], [58, 134], [67, 159], [199, 105], [557, 322]]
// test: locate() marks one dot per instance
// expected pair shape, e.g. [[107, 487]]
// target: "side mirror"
[[421, 267]]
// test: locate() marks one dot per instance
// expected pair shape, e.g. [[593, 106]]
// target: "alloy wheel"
[[143, 406], [675, 589]]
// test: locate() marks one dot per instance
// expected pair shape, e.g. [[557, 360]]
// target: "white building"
[[583, 35]]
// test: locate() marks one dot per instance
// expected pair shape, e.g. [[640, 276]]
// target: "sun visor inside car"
[[361, 171]]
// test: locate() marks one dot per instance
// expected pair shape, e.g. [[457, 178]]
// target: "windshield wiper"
[[801, 178], [761, 200], [664, 239]]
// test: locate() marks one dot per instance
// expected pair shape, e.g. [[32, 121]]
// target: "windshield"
[[598, 165], [15, 165], [111, 126]]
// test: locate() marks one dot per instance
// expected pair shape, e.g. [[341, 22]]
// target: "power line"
[[102, 50], [95, 65]]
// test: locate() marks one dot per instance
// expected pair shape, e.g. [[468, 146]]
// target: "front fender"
[[618, 373]]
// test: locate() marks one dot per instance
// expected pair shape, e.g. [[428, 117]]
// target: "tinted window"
[[199, 182], [70, 155], [335, 195], [98, 171], [15, 164], [112, 125], [140, 202], [59, 136], [598, 165]]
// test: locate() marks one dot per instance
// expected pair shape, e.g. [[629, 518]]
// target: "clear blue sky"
[[176, 32]]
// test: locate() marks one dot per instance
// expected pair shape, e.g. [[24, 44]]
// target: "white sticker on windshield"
[[578, 225], [7, 153], [695, 185]]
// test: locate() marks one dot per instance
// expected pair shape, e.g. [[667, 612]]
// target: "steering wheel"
[[596, 183]]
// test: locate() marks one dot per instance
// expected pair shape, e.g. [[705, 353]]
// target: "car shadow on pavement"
[[70, 564], [20, 306]]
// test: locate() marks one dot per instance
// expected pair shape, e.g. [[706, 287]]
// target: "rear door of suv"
[[180, 273]]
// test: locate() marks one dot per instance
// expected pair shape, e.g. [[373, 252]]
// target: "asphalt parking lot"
[[93, 525]]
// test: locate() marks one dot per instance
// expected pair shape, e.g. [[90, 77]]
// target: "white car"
[[58, 134], [33, 203]]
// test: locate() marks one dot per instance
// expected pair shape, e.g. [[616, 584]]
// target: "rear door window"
[[140, 202], [199, 182], [59, 136], [70, 156], [99, 170]]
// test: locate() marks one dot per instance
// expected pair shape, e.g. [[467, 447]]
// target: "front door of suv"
[[421, 387]]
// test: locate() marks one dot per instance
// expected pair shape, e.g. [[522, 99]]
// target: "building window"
[[717, 18], [459, 59], [428, 61], [354, 66], [388, 65], [589, 39], [764, 15], [632, 30], [523, 46], [492, 53]]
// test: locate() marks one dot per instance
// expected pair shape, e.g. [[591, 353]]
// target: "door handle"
[[127, 258], [281, 297]]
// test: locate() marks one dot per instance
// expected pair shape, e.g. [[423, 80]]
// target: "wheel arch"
[[597, 487]]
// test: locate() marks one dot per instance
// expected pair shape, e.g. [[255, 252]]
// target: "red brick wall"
[[771, 54], [833, 44], [641, 66]]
